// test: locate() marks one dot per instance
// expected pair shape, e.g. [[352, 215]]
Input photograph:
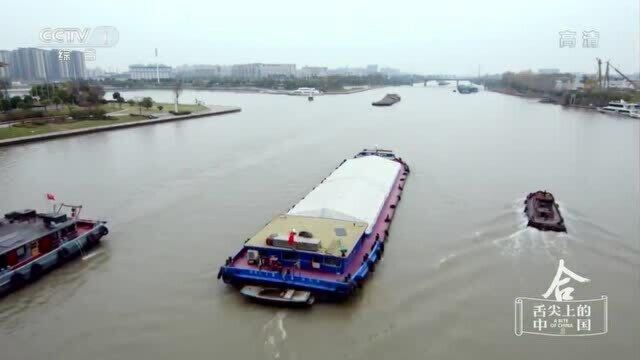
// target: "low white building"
[[150, 72]]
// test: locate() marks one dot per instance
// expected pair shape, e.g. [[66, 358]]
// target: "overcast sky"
[[422, 36]]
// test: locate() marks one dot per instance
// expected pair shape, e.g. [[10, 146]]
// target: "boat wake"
[[554, 245], [275, 335], [92, 254]]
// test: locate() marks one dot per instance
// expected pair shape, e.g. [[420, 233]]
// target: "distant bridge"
[[439, 77]]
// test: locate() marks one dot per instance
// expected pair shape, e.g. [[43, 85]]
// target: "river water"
[[180, 197]]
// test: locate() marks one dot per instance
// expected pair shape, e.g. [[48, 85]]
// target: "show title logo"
[[563, 315]]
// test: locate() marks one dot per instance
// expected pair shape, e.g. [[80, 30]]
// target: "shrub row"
[[22, 114], [180, 112], [88, 114]]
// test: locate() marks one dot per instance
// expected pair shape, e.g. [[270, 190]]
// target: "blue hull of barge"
[[326, 289], [11, 280]]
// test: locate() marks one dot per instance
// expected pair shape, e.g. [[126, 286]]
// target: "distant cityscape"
[[34, 65], [31, 65], [238, 71]]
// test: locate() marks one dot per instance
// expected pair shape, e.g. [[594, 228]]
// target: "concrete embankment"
[[212, 111]]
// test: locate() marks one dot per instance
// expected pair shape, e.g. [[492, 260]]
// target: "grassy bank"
[[119, 115], [123, 109], [33, 129], [166, 107]]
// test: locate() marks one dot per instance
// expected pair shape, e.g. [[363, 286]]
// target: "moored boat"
[[620, 107], [543, 212], [328, 243], [32, 243], [387, 100], [278, 296]]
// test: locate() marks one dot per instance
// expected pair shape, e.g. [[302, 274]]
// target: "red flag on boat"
[[50, 196], [292, 235]]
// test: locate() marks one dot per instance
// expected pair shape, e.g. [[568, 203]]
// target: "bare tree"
[[177, 91], [5, 84]]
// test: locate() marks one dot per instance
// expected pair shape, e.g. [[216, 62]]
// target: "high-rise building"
[[258, 70], [372, 69], [277, 70], [5, 58], [203, 71], [246, 71], [389, 71], [38, 65], [30, 64], [313, 71]]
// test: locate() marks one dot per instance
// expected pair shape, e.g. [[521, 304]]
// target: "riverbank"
[[245, 89], [508, 91], [121, 110], [92, 126]]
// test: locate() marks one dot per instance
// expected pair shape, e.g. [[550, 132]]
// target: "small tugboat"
[[388, 100], [467, 89], [327, 244], [543, 212], [32, 243]]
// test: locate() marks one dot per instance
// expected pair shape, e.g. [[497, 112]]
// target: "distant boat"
[[304, 91], [310, 98], [388, 100], [442, 83]]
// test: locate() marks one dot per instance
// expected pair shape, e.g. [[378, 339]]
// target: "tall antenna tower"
[[157, 67], [599, 72]]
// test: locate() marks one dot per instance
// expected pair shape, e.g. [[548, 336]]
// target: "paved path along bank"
[[213, 110]]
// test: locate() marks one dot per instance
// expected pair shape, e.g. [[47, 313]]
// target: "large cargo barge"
[[33, 243], [328, 243]]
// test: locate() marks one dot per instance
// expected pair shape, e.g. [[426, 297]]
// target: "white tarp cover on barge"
[[356, 191]]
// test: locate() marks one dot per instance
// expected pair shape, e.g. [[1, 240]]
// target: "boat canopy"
[[355, 191]]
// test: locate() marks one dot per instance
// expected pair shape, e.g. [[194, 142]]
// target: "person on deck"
[[292, 235]]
